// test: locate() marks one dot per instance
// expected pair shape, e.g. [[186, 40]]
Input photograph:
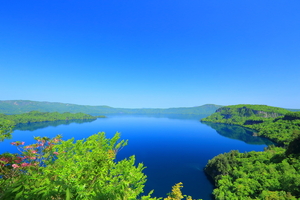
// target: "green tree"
[[85, 169], [6, 127]]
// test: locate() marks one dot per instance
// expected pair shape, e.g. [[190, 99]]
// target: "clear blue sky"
[[151, 54]]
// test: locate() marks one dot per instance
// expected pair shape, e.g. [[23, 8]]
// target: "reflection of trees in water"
[[39, 125], [177, 116], [169, 116], [238, 133]]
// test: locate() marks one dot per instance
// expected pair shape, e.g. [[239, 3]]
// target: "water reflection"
[[169, 116], [238, 133], [41, 125]]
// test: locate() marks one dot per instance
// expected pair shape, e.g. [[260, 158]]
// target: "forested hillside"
[[245, 114], [274, 123], [272, 174], [36, 116], [23, 106]]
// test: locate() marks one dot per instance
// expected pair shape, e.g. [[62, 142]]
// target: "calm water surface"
[[173, 149]]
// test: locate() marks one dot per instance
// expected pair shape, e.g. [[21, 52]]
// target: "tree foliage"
[[255, 175], [274, 123], [85, 169], [244, 114], [272, 174], [36, 116], [6, 128]]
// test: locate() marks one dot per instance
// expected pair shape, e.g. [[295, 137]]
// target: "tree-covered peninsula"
[[245, 114], [8, 122], [36, 116], [272, 174], [275, 123]]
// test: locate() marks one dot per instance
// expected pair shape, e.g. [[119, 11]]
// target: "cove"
[[173, 148]]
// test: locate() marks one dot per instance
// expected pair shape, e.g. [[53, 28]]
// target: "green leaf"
[[18, 195], [68, 194], [18, 188]]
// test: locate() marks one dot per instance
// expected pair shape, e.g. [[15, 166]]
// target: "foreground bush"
[[86, 169]]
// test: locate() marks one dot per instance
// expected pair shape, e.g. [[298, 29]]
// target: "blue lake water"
[[173, 149]]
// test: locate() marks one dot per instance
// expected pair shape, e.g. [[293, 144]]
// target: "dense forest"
[[272, 174], [24, 106], [274, 123], [36, 116], [244, 114]]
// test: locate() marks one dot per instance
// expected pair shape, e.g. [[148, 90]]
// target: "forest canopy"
[[272, 174], [37, 116], [274, 123]]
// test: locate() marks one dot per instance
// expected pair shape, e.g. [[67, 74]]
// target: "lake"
[[173, 148]]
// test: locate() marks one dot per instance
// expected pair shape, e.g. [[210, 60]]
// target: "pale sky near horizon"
[[151, 54]]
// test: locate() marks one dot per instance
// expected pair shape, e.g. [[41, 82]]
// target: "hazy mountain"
[[23, 106]]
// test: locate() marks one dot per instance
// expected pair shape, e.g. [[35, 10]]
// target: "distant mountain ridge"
[[24, 106]]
